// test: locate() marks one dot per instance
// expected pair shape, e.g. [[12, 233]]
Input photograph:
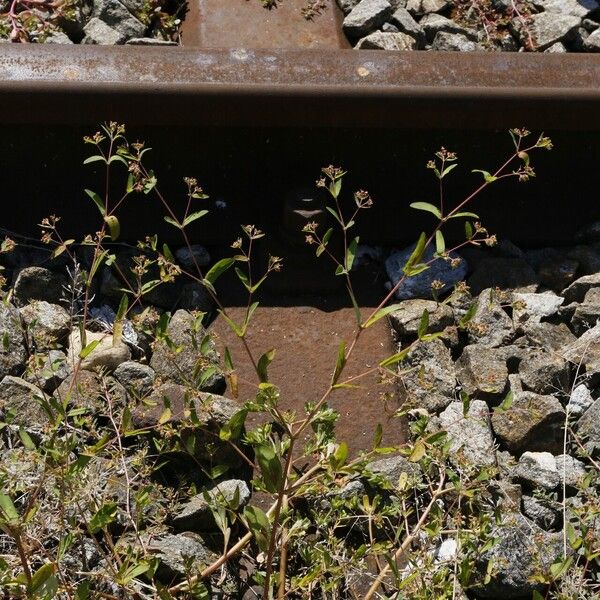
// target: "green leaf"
[[335, 187], [263, 363], [85, 352], [489, 178], [468, 230], [324, 242], [218, 269], [103, 517], [464, 214], [423, 324], [505, 404], [168, 254], [351, 253], [418, 451], [194, 217], [378, 435], [340, 363], [234, 327], [233, 428], [270, 467], [243, 278], [466, 402], [558, 569], [8, 512], [259, 526], [26, 439], [382, 312], [338, 458], [395, 358], [172, 221], [416, 255], [119, 318], [227, 359], [97, 201], [43, 582], [448, 169], [95, 158], [440, 244], [150, 183], [462, 323], [335, 215], [113, 226], [83, 591], [130, 182], [426, 206]]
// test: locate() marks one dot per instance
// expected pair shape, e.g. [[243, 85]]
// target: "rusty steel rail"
[[292, 88]]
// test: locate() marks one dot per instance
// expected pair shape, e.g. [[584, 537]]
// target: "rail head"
[[319, 87]]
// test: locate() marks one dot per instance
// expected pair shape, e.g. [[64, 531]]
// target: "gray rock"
[[557, 48], [57, 37], [424, 7], [433, 23], [98, 32], [347, 5], [105, 355], [431, 382], [116, 15], [366, 17], [21, 401], [504, 273], [454, 42], [490, 325], [580, 287], [135, 377], [470, 436], [403, 20], [482, 372], [202, 432], [548, 28], [48, 371], [588, 428], [554, 270], [172, 550], [182, 361], [532, 422], [387, 28], [535, 307], [150, 41], [194, 296], [545, 372], [590, 232], [543, 512], [37, 283], [549, 336], [380, 40], [419, 286], [523, 550], [194, 257], [576, 8], [579, 401], [48, 324], [537, 470], [12, 349], [84, 389], [406, 319], [590, 25], [587, 314], [585, 351], [392, 467], [196, 514], [588, 258], [570, 471]]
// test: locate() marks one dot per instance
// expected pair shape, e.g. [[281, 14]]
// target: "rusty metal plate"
[[248, 24], [306, 340], [298, 88]]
